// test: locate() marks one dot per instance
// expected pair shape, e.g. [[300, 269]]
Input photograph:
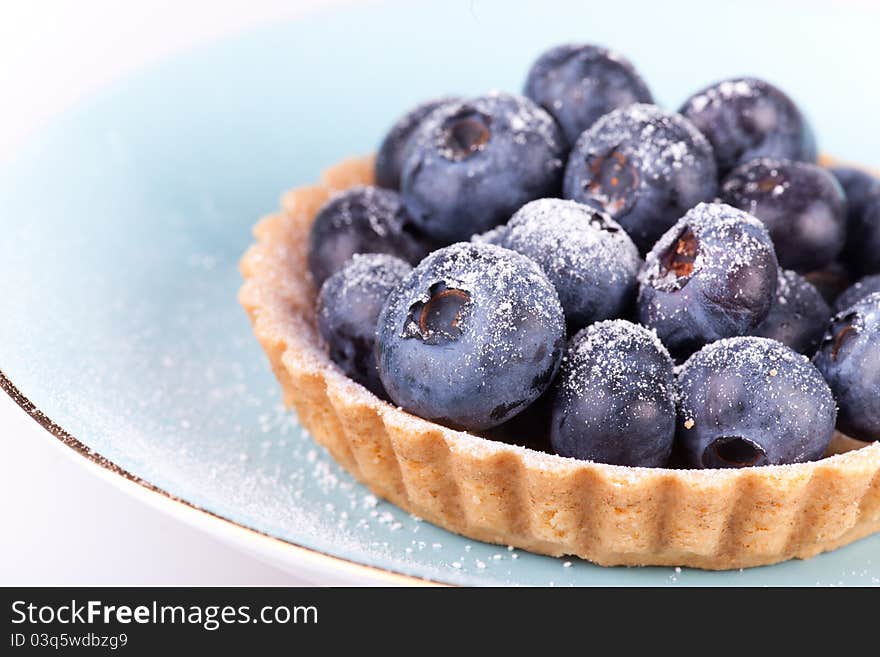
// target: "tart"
[[512, 495]]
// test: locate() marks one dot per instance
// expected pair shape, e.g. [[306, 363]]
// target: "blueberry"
[[859, 187], [642, 166], [589, 258], [471, 337], [849, 359], [752, 401], [801, 204], [746, 119], [798, 314], [615, 397], [389, 159], [862, 253], [713, 275], [579, 83], [858, 291], [348, 308], [472, 164], [362, 220]]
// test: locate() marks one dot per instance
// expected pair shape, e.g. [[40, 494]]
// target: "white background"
[[58, 523]]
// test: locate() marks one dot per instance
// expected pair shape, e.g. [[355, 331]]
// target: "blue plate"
[[122, 225]]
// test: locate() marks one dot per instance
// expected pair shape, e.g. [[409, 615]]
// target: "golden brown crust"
[[501, 493]]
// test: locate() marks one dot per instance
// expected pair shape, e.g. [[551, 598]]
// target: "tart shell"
[[510, 495]]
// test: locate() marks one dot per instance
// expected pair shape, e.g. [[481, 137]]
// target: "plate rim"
[[167, 501]]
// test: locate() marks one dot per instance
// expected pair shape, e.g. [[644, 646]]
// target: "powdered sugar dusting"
[[783, 378], [377, 205], [506, 285], [723, 92], [601, 352], [371, 274], [569, 238], [659, 141], [526, 123], [718, 259]]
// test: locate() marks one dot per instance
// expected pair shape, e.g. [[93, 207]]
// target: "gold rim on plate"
[[247, 534]]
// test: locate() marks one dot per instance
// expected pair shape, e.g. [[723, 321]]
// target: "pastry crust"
[[510, 495]]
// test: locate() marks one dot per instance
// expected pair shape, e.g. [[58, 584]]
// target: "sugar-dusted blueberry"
[[578, 83], [713, 275], [750, 401], [389, 158], [862, 252], [362, 220], [801, 204], [859, 290], [589, 258], [473, 163], [615, 397], [746, 119], [472, 337], [348, 308], [849, 359], [859, 187], [644, 167], [798, 314]]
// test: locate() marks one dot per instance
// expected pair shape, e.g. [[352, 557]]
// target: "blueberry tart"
[[465, 322]]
